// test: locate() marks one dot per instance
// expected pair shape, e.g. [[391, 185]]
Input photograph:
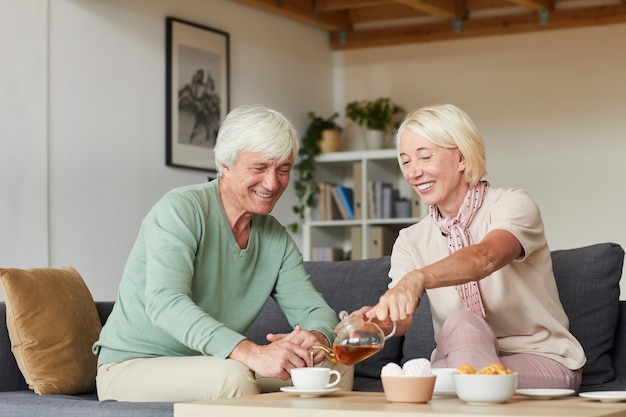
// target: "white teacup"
[[314, 378], [445, 382]]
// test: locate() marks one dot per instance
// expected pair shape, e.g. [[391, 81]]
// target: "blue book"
[[346, 200]]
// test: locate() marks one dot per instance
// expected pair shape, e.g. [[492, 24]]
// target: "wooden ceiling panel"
[[368, 23]]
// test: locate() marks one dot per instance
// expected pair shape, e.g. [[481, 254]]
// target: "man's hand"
[[305, 339], [278, 358]]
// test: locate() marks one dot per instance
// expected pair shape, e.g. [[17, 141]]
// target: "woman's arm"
[[472, 263]]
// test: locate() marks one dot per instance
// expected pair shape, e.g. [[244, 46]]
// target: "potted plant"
[[305, 184], [375, 116]]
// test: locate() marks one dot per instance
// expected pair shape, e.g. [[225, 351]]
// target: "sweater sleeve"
[[299, 300], [172, 232]]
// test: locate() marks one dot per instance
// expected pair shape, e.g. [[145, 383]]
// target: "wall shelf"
[[376, 224]]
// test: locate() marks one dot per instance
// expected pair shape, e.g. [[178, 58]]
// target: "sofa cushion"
[[27, 404], [588, 282], [355, 284], [345, 285], [52, 323]]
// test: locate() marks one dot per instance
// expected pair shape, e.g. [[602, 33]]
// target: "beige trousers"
[[190, 378]]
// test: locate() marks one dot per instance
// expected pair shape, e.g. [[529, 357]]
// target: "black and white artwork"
[[197, 92]]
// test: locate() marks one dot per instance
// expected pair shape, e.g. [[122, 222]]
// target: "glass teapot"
[[357, 339]]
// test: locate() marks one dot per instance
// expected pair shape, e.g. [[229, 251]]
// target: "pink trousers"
[[466, 338]]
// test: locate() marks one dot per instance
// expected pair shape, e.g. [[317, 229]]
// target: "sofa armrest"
[[588, 282], [11, 378], [619, 349], [104, 309]]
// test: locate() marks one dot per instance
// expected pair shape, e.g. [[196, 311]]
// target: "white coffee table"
[[362, 404]]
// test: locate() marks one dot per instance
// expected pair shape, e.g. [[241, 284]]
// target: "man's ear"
[[225, 170]]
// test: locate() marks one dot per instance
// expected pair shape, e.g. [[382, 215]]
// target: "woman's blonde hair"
[[449, 127]]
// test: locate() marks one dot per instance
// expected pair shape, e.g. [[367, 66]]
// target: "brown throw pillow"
[[52, 322]]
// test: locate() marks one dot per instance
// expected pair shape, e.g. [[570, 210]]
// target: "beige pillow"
[[52, 322]]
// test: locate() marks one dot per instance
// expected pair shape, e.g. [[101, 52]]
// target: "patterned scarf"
[[456, 229]]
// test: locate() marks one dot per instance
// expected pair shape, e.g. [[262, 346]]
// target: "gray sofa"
[[588, 281]]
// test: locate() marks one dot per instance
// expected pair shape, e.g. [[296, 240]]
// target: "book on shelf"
[[333, 207], [389, 198], [371, 200], [326, 253], [382, 197], [357, 177], [328, 208], [320, 203], [378, 199], [328, 202], [344, 197], [383, 201]]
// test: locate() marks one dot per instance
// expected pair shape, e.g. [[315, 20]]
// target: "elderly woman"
[[482, 258], [206, 259]]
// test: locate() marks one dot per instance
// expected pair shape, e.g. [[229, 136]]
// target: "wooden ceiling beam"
[[388, 12], [445, 9], [334, 5], [303, 11], [535, 4], [518, 23], [391, 10]]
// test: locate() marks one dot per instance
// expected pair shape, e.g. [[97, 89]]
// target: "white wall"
[[551, 107], [23, 134], [104, 62], [82, 108]]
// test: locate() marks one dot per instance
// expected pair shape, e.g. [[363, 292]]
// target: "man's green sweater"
[[189, 289]]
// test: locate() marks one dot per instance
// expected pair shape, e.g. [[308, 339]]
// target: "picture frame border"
[[172, 157]]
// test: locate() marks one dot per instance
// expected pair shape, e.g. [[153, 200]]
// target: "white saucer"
[[544, 394], [605, 396], [310, 392]]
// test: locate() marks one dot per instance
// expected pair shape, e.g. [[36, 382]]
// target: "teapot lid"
[[353, 323], [349, 323]]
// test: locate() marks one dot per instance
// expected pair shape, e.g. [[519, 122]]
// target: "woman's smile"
[[434, 172], [425, 186]]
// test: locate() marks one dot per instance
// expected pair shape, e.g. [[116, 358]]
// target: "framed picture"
[[198, 90]]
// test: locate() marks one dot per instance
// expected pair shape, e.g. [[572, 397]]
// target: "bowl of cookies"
[[492, 384]]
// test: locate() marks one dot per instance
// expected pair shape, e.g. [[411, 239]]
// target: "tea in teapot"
[[357, 339]]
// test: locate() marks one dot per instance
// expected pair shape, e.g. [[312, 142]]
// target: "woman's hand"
[[385, 325], [400, 302]]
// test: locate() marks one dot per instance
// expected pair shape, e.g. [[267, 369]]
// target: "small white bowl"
[[444, 385], [485, 389]]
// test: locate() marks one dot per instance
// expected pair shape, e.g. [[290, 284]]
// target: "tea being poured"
[[351, 354], [357, 339]]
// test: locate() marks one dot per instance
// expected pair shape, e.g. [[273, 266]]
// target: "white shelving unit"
[[339, 168]]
